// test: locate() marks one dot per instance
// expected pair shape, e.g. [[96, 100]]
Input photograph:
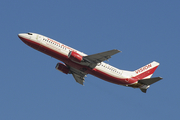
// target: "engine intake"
[[74, 56], [62, 68]]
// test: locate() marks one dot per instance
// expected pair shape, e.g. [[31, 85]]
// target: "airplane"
[[79, 64]]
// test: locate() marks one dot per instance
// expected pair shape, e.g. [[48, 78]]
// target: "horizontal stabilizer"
[[149, 81], [143, 90]]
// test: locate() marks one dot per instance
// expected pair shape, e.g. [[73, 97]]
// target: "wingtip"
[[118, 50], [160, 78]]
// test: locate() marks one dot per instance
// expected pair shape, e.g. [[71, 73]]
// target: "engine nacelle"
[[74, 56], [62, 68]]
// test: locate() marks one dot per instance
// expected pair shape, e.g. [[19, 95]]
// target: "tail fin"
[[144, 75], [146, 71]]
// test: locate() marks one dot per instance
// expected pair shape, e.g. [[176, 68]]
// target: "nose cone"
[[21, 36], [24, 37]]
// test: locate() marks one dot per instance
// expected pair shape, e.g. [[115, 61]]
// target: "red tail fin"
[[146, 71]]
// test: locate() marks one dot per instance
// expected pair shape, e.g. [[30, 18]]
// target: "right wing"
[[91, 61]]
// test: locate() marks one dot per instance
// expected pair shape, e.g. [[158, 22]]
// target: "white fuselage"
[[61, 51]]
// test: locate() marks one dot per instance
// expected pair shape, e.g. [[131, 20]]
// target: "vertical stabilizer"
[[143, 75], [146, 71]]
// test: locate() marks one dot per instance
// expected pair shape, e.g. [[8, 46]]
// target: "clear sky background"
[[144, 30]]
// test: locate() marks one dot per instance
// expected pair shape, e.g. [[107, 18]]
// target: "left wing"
[[99, 57], [78, 75], [78, 78]]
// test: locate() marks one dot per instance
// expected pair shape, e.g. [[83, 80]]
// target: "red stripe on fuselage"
[[66, 60], [112, 79]]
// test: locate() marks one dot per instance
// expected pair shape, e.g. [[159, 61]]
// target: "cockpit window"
[[29, 33]]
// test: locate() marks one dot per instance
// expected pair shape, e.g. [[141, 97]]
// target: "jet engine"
[[62, 68], [74, 56]]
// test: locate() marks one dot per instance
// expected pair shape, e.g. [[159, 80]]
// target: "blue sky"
[[145, 31]]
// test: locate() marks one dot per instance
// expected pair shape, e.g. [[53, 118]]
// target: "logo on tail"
[[143, 68]]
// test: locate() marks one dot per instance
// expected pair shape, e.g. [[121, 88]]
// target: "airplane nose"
[[20, 36], [23, 37]]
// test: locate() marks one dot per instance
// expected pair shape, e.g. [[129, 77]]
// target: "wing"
[[99, 57], [79, 79], [91, 61], [78, 75]]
